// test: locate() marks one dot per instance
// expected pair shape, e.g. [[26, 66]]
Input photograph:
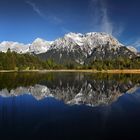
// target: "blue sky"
[[25, 20]]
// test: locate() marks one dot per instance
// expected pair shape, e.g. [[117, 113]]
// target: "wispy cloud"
[[46, 16], [36, 9], [106, 24], [55, 19], [101, 20], [136, 44]]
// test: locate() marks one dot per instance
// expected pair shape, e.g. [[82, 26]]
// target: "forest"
[[14, 61]]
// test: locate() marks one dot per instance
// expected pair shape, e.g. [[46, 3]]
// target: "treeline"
[[15, 61], [106, 64], [117, 63]]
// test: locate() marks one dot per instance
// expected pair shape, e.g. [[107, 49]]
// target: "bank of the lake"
[[116, 71]]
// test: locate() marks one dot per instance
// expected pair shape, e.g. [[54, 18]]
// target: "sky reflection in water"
[[77, 105]]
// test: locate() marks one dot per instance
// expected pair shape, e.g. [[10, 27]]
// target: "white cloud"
[[101, 20], [106, 25]]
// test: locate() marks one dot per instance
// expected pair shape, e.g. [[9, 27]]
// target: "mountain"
[[83, 48], [14, 46], [74, 47], [132, 49], [39, 46], [86, 42], [92, 93]]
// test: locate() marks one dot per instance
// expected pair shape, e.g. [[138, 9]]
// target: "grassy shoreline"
[[116, 71]]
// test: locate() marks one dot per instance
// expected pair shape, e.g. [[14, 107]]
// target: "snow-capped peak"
[[86, 42], [39, 40], [14, 46], [73, 35], [39, 46], [132, 49], [70, 42], [102, 38]]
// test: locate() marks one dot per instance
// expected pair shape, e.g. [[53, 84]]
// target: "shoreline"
[[116, 71]]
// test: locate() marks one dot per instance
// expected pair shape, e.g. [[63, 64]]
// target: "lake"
[[69, 106]]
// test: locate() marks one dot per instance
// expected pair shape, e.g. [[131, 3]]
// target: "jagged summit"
[[39, 46], [74, 46], [86, 42], [92, 38]]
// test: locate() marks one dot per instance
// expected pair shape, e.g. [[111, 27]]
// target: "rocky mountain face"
[[75, 47], [83, 48]]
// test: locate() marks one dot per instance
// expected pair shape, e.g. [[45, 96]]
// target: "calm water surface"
[[69, 106]]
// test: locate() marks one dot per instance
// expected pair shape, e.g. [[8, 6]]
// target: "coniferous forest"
[[14, 61]]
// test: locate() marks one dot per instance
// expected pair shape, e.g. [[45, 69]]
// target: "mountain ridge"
[[74, 48], [76, 38]]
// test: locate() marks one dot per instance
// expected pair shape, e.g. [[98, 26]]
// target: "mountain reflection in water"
[[69, 105], [77, 88]]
